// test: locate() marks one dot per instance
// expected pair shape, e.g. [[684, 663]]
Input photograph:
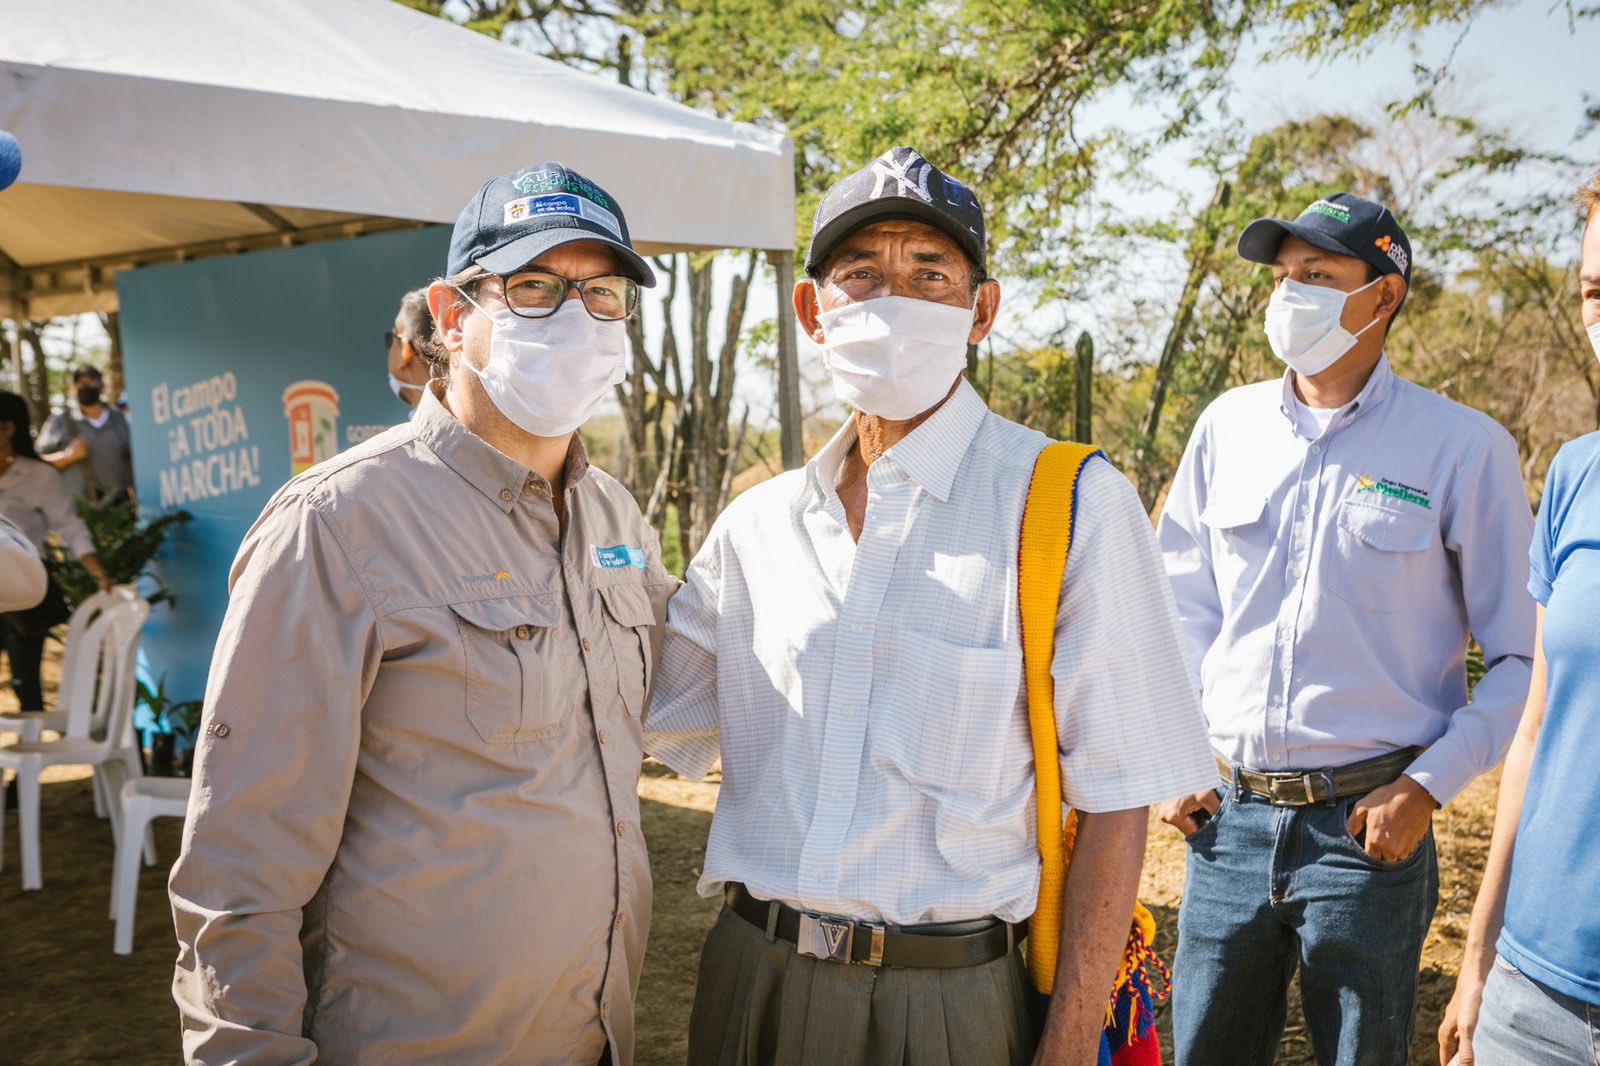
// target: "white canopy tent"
[[160, 130]]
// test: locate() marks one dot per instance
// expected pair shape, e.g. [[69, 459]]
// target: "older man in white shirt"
[[1334, 540], [847, 643]]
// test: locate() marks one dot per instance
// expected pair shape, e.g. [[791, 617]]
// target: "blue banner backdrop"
[[241, 372]]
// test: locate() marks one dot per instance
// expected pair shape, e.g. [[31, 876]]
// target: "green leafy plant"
[[178, 717], [125, 546]]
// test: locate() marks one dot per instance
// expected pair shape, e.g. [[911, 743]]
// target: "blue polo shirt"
[[1552, 921]]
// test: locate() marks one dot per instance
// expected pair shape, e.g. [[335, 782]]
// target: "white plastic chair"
[[143, 800], [97, 685], [76, 690]]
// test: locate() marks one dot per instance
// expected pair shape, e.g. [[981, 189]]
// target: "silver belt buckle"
[[825, 938]]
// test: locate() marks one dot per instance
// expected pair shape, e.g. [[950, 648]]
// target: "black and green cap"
[[1343, 224]]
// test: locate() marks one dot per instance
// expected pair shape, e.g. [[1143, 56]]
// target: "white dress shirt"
[[866, 698], [1328, 579]]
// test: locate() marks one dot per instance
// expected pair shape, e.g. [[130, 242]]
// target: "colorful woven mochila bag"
[[1130, 1037]]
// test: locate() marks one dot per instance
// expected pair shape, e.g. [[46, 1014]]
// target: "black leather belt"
[[936, 946], [1302, 788]]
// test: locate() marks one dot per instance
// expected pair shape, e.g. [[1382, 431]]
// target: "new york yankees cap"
[[1343, 224], [898, 184], [518, 217]]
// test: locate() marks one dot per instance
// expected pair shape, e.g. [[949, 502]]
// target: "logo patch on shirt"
[[498, 575], [619, 557], [1385, 487]]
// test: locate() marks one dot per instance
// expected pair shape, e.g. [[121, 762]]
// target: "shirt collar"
[[929, 455], [490, 471], [1379, 384]]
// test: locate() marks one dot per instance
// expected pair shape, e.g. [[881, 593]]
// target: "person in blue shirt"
[[1529, 987], [1332, 539]]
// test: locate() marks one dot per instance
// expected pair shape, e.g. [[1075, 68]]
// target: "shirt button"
[[1315, 448], [605, 1011], [855, 627], [835, 795], [507, 495], [603, 738], [523, 632], [620, 919], [220, 730], [622, 829], [586, 645]]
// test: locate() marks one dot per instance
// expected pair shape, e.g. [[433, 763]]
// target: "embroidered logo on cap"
[[1332, 210], [910, 176], [1389, 247], [530, 207]]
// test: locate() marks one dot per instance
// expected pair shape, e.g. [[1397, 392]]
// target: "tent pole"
[[789, 416]]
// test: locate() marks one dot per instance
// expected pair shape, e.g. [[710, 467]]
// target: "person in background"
[[92, 448], [1335, 538], [1528, 993], [408, 369], [33, 498]]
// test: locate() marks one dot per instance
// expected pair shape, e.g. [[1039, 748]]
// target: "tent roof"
[[162, 129]]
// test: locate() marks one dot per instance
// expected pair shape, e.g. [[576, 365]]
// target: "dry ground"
[[68, 999]]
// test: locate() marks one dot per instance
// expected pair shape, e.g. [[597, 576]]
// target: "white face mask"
[[1594, 338], [396, 385], [1303, 325], [548, 375], [895, 356]]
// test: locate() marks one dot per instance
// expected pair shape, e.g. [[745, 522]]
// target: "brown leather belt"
[[1302, 788], [936, 946]]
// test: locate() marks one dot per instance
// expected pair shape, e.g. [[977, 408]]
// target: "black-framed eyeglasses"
[[540, 294], [389, 338]]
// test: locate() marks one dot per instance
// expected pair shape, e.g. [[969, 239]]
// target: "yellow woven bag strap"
[[1041, 561]]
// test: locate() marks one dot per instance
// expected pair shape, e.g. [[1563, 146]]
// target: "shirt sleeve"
[[56, 504], [295, 659], [1127, 713], [55, 434], [1186, 555], [1542, 552], [22, 579], [682, 727], [1486, 524]]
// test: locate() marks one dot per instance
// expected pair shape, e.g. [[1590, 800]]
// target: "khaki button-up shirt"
[[414, 832]]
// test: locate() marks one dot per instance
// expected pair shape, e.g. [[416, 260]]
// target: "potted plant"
[[126, 547], [172, 719]]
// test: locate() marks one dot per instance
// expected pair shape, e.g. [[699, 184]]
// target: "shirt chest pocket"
[[524, 677], [943, 715], [630, 621], [1240, 538], [1379, 557]]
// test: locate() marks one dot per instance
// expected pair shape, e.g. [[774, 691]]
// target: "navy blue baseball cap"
[[518, 217], [1343, 224], [898, 184]]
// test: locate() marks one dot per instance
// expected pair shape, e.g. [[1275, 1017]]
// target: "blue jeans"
[[1271, 888], [1523, 1023]]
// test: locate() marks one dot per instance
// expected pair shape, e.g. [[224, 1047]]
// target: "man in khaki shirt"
[[415, 829]]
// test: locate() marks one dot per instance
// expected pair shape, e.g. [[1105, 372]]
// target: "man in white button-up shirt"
[[1333, 539], [847, 643]]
